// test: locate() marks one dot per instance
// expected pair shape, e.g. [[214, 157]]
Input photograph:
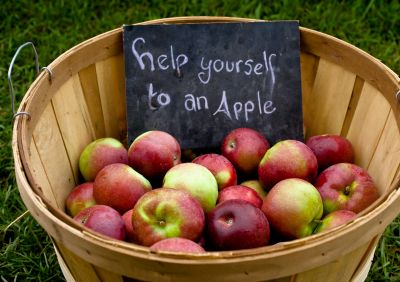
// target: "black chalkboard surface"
[[200, 81]]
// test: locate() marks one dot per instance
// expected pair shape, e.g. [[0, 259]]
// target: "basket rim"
[[21, 157]]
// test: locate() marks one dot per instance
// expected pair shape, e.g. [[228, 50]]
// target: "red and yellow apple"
[[153, 153], [240, 192], [195, 179], [177, 245], [334, 219], [287, 159], [237, 224], [293, 208], [222, 169], [331, 149], [346, 186], [100, 153], [119, 186], [256, 185], [166, 213], [79, 198], [127, 218], [103, 219], [244, 147]]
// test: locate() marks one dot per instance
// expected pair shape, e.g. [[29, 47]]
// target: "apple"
[[346, 186], [331, 149], [102, 219], [222, 169], [98, 154], [166, 213], [256, 185], [237, 224], [79, 198], [287, 159], [153, 153], [244, 147], [177, 244], [334, 219], [195, 179], [119, 186], [127, 218], [240, 192], [293, 208]]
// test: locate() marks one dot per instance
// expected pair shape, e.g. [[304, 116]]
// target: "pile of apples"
[[248, 194]]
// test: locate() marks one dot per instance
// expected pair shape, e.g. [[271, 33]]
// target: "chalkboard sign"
[[200, 81]]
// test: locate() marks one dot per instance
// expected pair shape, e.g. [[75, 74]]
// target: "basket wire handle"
[[398, 95], [10, 84]]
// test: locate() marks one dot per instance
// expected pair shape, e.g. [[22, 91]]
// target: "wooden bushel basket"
[[345, 91]]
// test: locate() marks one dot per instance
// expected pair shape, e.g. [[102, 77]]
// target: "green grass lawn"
[[55, 26]]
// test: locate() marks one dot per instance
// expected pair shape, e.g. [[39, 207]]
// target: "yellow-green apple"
[[99, 153], [256, 185], [79, 198], [287, 159], [102, 219], [293, 208], [153, 153], [244, 147], [331, 149], [195, 179], [127, 218], [240, 192], [346, 186], [334, 219], [237, 224], [177, 245], [166, 213], [119, 186], [222, 169]]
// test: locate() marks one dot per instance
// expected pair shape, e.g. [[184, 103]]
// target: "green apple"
[[195, 179], [293, 208]]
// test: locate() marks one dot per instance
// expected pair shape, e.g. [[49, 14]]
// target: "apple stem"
[[346, 190]]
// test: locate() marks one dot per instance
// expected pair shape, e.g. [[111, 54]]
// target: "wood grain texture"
[[309, 67], [367, 124], [91, 92], [73, 120], [110, 77], [341, 269], [50, 146], [386, 158], [330, 97]]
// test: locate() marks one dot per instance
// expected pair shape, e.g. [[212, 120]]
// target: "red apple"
[[256, 185], [103, 219], [293, 208], [166, 213], [244, 147], [195, 179], [346, 186], [334, 219], [331, 149], [79, 198], [237, 224], [180, 245], [153, 153], [222, 169], [119, 186], [98, 154], [127, 218], [240, 192], [287, 159]]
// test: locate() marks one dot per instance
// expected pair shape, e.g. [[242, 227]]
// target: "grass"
[[55, 26]]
